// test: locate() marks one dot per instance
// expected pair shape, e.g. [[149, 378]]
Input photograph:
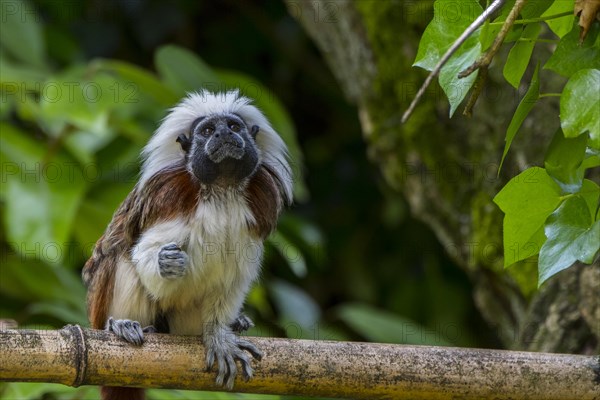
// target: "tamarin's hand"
[[172, 261]]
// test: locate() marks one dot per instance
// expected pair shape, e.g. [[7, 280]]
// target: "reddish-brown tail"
[[121, 393]]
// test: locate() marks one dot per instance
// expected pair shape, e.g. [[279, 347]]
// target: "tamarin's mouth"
[[226, 150]]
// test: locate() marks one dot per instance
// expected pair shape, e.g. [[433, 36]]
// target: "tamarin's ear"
[[254, 131], [184, 141]]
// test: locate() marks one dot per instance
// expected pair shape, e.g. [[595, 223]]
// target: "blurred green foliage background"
[[84, 84]]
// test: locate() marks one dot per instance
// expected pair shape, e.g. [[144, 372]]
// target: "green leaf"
[[560, 26], [563, 160], [183, 71], [18, 79], [290, 253], [26, 391], [144, 81], [305, 235], [570, 57], [34, 280], [519, 55], [526, 200], [96, 210], [525, 106], [488, 32], [60, 311], [21, 32], [534, 8], [42, 196], [384, 327], [36, 391], [580, 106], [164, 394], [591, 160], [571, 237], [449, 21], [85, 104], [295, 305], [590, 192]]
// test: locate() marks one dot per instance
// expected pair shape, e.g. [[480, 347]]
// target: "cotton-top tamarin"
[[186, 244]]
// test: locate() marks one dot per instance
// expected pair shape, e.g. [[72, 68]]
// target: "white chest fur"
[[224, 261]]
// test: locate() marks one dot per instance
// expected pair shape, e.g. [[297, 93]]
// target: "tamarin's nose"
[[225, 135]]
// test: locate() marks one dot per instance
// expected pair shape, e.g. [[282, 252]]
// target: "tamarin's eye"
[[208, 131], [234, 127], [195, 124]]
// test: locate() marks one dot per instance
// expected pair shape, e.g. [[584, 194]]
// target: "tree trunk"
[[447, 168]]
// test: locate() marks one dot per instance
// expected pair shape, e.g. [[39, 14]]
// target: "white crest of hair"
[[163, 151]]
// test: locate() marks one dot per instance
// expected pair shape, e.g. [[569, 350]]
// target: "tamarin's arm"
[[160, 259]]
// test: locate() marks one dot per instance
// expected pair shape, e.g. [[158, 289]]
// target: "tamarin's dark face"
[[220, 149]]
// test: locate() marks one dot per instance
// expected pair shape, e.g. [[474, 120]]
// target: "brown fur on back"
[[99, 270]]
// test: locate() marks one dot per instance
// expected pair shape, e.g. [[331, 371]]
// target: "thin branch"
[[538, 40], [538, 19], [455, 46], [486, 59], [477, 88], [75, 356], [482, 64]]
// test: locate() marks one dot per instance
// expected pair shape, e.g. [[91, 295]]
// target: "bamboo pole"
[[74, 356]]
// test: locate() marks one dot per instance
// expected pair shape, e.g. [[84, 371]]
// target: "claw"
[[150, 329], [246, 368], [246, 371], [250, 348], [171, 247], [222, 369], [231, 372], [210, 360]]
